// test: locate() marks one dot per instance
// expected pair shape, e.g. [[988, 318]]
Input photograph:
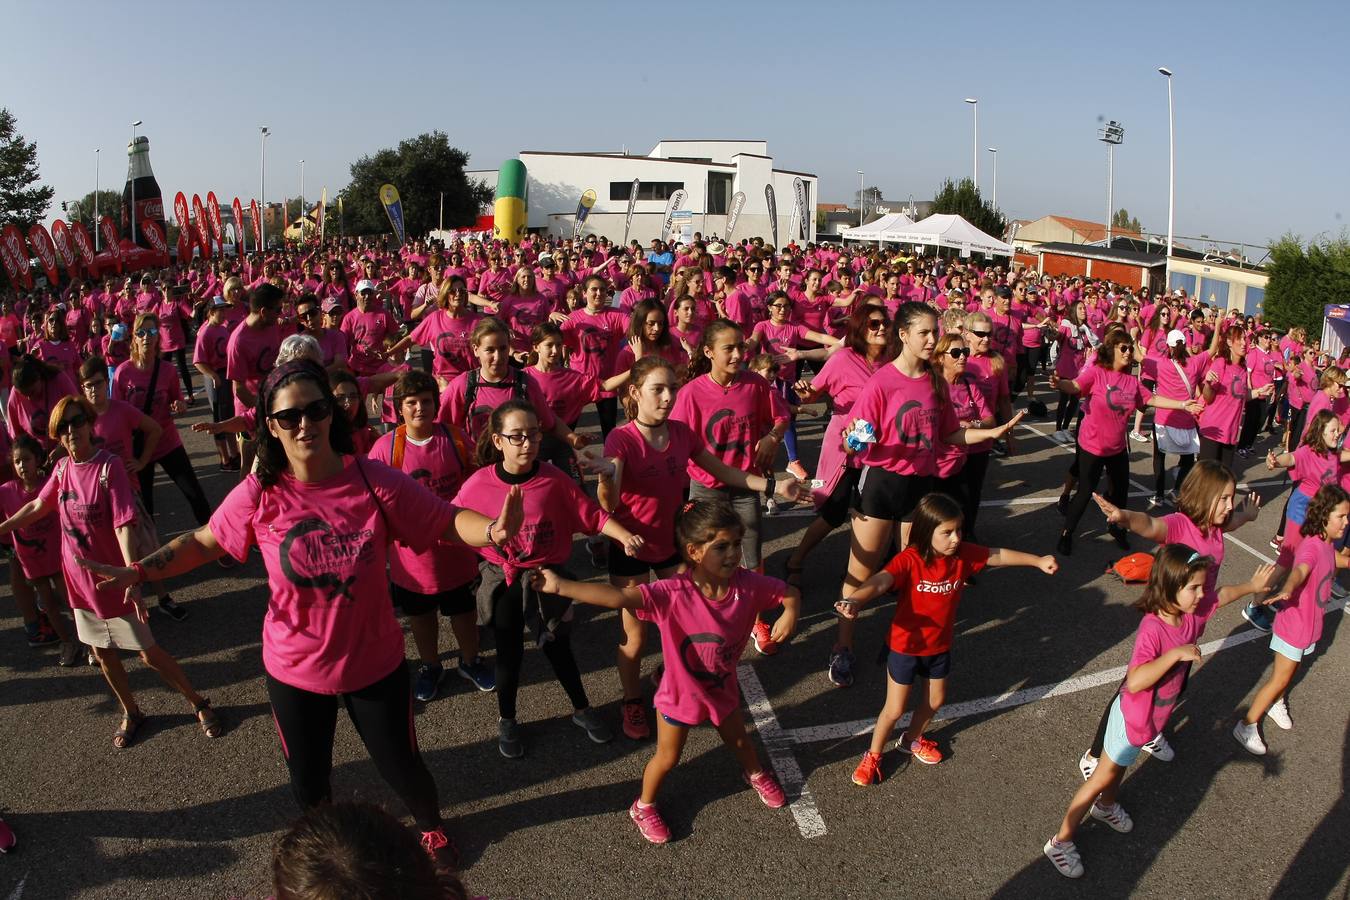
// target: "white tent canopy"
[[940, 230], [880, 230]]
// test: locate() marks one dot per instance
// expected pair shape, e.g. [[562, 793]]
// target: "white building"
[[710, 171]]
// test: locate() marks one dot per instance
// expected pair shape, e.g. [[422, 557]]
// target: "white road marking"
[[781, 757], [18, 888]]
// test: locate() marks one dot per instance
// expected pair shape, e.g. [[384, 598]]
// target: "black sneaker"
[[1065, 545], [169, 607]]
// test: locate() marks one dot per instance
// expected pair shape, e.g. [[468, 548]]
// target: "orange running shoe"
[[924, 750], [869, 770]]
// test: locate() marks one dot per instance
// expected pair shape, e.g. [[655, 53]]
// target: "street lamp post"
[[302, 201], [1111, 135], [262, 185], [975, 143], [1171, 168], [994, 151], [96, 229], [132, 182], [861, 204]]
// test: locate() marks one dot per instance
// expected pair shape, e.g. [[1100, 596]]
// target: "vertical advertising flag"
[[185, 241], [583, 210], [256, 215], [632, 202], [323, 206], [44, 250], [154, 236], [203, 232], [393, 208], [238, 209], [65, 251], [773, 213], [734, 214], [799, 208], [675, 202], [83, 243], [180, 209], [109, 232], [213, 214], [16, 256]]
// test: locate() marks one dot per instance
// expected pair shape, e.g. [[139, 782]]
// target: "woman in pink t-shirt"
[[92, 495], [323, 520], [648, 334], [1114, 395], [1226, 389], [643, 485], [960, 469], [1075, 340], [705, 615], [445, 329]]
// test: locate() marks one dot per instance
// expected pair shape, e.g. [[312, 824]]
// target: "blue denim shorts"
[[1286, 649], [1117, 744]]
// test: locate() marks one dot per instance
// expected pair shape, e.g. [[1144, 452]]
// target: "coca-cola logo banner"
[[64, 250], [185, 241], [83, 242], [203, 236], [15, 256], [180, 209], [149, 209], [213, 213], [44, 250], [109, 230], [238, 209], [154, 236], [257, 223]]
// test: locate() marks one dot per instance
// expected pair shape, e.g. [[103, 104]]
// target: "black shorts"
[[453, 602], [882, 494], [834, 511], [904, 668], [621, 565]]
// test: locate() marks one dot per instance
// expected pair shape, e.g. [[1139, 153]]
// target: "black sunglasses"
[[981, 334], [148, 332], [876, 324], [79, 420], [289, 419], [958, 352]]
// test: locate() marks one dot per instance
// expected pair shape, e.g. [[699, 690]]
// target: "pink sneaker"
[[649, 822], [443, 852], [763, 637], [768, 789]]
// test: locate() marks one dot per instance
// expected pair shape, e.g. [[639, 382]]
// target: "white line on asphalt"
[[842, 730], [1250, 549], [781, 757], [18, 889]]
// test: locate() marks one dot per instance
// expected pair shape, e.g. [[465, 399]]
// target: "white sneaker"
[[1249, 736], [1060, 436], [1087, 764], [1279, 714], [1136, 436], [1065, 857], [1338, 591], [1114, 816], [1160, 749]]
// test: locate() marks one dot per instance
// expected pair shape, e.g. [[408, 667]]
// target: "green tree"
[[962, 198], [1121, 219], [1303, 278], [422, 168], [23, 200], [82, 210]]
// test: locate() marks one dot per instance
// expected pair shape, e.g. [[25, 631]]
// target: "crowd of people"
[[405, 425]]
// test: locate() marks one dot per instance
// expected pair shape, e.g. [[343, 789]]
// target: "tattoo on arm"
[[161, 558]]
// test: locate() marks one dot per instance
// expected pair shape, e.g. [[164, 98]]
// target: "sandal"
[[793, 574], [126, 735], [209, 719]]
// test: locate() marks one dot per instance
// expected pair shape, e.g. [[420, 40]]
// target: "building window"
[[719, 193], [647, 190]]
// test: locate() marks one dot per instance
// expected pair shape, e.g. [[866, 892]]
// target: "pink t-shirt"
[[909, 420], [1181, 530], [448, 339], [1311, 469], [969, 406], [746, 305], [1114, 397], [1073, 350], [652, 488], [209, 349], [567, 391], [522, 312], [594, 341], [37, 545], [778, 339], [1298, 621], [1146, 712], [90, 513], [115, 428], [1170, 384], [731, 420], [1222, 415], [366, 332], [130, 385], [65, 355], [330, 625], [490, 396], [702, 641], [436, 465], [555, 509], [28, 416], [249, 356]]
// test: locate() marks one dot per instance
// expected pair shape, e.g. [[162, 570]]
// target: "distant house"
[[1065, 230]]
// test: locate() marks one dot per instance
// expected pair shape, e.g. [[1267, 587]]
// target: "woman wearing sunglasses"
[[323, 519], [152, 388], [91, 492], [961, 469]]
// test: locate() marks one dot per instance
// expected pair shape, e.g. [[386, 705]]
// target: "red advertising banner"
[[83, 242], [109, 230], [213, 211], [154, 236], [15, 256], [180, 209], [185, 242], [257, 224], [65, 251], [238, 209], [44, 250], [203, 235]]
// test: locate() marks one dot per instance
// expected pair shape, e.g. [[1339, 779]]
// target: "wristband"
[[140, 572], [488, 534]]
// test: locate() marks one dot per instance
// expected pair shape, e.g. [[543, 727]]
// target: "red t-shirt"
[[925, 613]]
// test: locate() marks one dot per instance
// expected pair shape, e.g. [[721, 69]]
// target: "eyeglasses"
[[981, 334], [79, 420], [779, 306], [753, 269], [148, 332], [519, 439], [1126, 347], [876, 324], [94, 384], [289, 419], [958, 353]]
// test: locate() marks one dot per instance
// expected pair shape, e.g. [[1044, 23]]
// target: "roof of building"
[[831, 207], [1090, 231]]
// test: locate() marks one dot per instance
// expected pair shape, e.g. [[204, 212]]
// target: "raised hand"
[[511, 517], [123, 577], [1114, 514]]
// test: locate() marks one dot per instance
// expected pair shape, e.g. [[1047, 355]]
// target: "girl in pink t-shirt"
[[1315, 463], [705, 615], [1226, 389], [1302, 604], [1177, 376], [642, 484], [37, 546]]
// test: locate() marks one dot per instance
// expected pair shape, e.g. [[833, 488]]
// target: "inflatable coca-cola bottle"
[[142, 191]]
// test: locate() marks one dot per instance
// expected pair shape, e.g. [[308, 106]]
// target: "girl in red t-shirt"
[[928, 575]]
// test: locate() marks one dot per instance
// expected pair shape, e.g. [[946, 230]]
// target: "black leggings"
[[607, 408], [508, 628], [1252, 416], [1067, 409], [1090, 468], [1214, 450], [178, 467], [1187, 460], [382, 714], [179, 357], [972, 476]]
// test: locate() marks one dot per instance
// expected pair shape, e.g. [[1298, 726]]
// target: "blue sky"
[[833, 87]]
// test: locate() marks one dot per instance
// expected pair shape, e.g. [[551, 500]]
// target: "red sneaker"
[[441, 849], [763, 637], [768, 789], [924, 750], [649, 822], [869, 770], [635, 720]]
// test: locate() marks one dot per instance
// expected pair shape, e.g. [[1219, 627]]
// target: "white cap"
[[365, 284], [1175, 338]]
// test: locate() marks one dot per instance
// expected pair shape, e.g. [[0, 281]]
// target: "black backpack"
[[518, 389]]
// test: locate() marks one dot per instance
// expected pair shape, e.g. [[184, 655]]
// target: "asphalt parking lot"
[[1036, 659]]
